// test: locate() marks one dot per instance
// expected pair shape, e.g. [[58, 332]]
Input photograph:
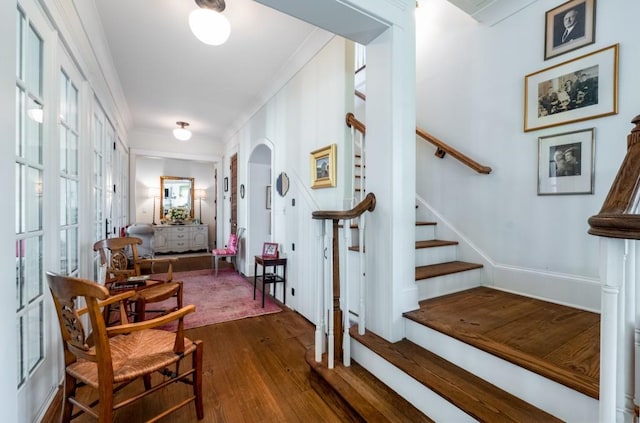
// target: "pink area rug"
[[220, 299]]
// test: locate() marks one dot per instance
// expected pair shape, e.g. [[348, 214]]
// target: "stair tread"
[[473, 395], [558, 342], [441, 269], [434, 243], [367, 396]]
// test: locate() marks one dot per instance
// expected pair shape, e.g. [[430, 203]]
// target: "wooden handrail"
[[353, 122], [367, 204], [442, 149], [616, 218]]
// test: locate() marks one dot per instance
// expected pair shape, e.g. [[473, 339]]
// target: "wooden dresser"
[[181, 238]]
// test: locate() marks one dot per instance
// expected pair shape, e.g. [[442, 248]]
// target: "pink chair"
[[231, 250]]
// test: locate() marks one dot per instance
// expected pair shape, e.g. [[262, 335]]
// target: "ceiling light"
[[181, 133], [208, 24]]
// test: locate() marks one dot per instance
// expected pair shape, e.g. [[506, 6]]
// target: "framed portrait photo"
[[566, 163], [323, 167], [269, 250], [569, 26], [579, 89]]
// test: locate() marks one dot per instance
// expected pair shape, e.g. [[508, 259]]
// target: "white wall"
[[469, 93], [306, 114]]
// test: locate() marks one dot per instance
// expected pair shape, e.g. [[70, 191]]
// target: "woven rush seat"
[[133, 355], [156, 292]]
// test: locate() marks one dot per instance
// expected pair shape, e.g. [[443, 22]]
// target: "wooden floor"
[[558, 342], [254, 371]]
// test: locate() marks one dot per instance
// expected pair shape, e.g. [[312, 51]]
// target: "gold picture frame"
[[568, 27], [573, 91], [323, 167]]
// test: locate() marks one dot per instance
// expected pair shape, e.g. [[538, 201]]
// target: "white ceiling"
[[168, 75]]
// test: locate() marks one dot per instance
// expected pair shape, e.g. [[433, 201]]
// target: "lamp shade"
[[209, 26]]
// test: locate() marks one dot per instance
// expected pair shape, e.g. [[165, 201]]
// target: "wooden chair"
[[110, 358], [231, 250], [124, 273]]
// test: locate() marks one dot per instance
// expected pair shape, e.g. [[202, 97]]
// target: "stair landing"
[[558, 342]]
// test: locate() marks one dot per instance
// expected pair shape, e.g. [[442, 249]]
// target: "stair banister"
[[331, 224], [618, 222]]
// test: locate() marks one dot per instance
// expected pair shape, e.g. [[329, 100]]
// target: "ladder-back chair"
[[124, 273], [110, 358]]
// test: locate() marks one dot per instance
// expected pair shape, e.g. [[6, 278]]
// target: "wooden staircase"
[[471, 353]]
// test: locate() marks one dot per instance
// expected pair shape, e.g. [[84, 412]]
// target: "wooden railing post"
[[335, 322]]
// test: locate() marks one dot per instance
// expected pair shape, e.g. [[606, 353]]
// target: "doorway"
[[260, 219]]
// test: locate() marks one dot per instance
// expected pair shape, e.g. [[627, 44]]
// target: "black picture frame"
[[226, 184], [568, 27]]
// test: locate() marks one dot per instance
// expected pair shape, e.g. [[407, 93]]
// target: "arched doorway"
[[260, 220]]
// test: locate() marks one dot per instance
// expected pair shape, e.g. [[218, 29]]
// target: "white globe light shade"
[[182, 134], [209, 26]]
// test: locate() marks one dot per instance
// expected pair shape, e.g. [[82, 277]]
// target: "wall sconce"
[[226, 184]]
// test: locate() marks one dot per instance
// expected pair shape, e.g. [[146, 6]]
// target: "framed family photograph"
[[566, 163], [323, 167], [268, 196], [569, 26], [269, 250], [579, 89]]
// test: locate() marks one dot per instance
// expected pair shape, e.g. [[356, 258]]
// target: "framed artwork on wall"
[[226, 184], [566, 163], [269, 250], [323, 167], [579, 89], [569, 26]]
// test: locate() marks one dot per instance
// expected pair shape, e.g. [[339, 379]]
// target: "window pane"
[[20, 285], [33, 267], [33, 190], [63, 203], [20, 169], [73, 108], [20, 345], [33, 139], [34, 62], [72, 147], [64, 268], [36, 341], [20, 96], [19, 45], [63, 149], [72, 202], [64, 111], [72, 237]]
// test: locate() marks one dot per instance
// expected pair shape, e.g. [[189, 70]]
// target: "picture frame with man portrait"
[[570, 26]]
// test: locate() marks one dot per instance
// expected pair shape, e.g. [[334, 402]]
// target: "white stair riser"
[[425, 232], [447, 284], [425, 400], [554, 398], [435, 255]]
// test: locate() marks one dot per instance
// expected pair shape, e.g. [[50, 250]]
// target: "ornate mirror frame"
[[180, 184]]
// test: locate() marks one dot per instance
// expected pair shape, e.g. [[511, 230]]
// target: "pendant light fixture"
[[208, 23], [181, 133]]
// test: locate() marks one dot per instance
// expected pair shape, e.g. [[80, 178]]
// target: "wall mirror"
[[176, 191]]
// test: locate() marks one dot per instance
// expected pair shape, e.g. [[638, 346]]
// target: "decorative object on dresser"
[[181, 238]]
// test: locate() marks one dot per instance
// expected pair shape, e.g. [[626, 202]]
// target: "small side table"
[[268, 278]]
